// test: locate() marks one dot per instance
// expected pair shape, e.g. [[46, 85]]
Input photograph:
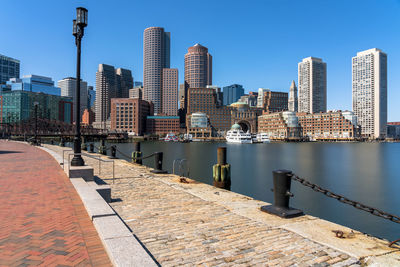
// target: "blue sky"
[[256, 43]]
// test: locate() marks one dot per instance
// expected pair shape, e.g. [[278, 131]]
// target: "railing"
[[282, 182]]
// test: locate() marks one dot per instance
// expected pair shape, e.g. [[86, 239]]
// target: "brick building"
[[162, 125], [88, 117], [275, 101], [280, 126], [129, 114], [331, 125]]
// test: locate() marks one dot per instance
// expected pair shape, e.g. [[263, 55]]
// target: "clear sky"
[[256, 43]]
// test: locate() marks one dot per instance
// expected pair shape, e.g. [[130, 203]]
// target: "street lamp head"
[[81, 16], [74, 28]]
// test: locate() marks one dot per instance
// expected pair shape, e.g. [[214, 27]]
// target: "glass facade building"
[[9, 68], [18, 105], [232, 93], [34, 83]]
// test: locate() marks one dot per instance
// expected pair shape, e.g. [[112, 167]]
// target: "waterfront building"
[[34, 83], [198, 67], [68, 88], [124, 82], [91, 96], [9, 68], [105, 89], [260, 96], [129, 114], [280, 126], [331, 125], [18, 105], [156, 56], [245, 116], [220, 94], [293, 101], [275, 101], [198, 126], [170, 92], [370, 92], [162, 125], [232, 93], [88, 117], [393, 130], [136, 92], [312, 85], [250, 100]]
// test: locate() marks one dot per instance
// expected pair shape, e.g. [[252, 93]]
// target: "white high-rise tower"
[[312, 85], [370, 92]]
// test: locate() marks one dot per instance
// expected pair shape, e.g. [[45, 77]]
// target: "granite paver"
[[42, 219], [180, 228]]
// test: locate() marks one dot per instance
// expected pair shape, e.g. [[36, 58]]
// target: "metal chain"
[[345, 200], [129, 157]]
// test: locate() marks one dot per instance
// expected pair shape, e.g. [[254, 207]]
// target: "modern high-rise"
[[68, 88], [312, 85], [156, 57], [232, 93], [9, 68], [124, 81], [105, 88], [293, 102], [91, 96], [198, 67], [170, 92], [370, 92]]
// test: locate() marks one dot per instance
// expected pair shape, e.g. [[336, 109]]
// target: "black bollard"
[[158, 158], [282, 181], [83, 144], [62, 142], [91, 148], [222, 170], [136, 154], [113, 152], [52, 141], [103, 149]]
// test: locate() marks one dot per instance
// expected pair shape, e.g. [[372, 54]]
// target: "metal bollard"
[[158, 158], [113, 152], [103, 149], [222, 170], [52, 141], [62, 142], [136, 146], [91, 148], [282, 194], [136, 154]]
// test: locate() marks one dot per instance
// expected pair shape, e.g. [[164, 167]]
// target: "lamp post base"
[[77, 160]]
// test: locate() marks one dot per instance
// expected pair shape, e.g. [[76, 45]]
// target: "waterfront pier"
[[184, 222]]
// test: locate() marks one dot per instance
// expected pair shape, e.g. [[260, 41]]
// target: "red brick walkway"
[[42, 219]]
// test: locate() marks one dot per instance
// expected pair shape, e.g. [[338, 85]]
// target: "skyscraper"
[[312, 85], [170, 92], [9, 68], [124, 81], [68, 88], [34, 83], [105, 88], [198, 67], [370, 92], [232, 93], [156, 56], [293, 104]]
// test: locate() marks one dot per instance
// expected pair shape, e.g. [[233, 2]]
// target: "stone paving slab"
[[42, 219], [194, 224]]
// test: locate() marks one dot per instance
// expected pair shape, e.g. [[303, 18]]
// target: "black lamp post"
[[78, 30], [36, 104]]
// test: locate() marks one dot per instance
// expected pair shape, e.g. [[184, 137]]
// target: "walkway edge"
[[122, 247]]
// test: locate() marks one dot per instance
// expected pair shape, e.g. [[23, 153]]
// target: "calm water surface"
[[365, 172]]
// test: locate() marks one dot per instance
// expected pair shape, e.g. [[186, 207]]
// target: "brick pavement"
[[42, 219], [180, 228]]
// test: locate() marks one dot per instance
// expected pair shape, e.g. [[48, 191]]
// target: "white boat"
[[171, 138], [236, 135], [263, 138]]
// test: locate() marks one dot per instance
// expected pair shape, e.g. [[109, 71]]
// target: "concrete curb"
[[121, 245]]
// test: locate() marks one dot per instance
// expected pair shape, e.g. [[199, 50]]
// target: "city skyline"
[[230, 64]]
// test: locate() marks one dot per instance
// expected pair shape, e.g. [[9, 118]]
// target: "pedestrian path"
[[42, 219]]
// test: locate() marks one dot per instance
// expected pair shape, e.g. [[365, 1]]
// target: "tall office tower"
[[9, 68], [198, 67], [370, 92], [105, 89], [124, 82], [156, 56], [91, 96], [181, 96], [170, 92], [292, 105], [68, 88], [312, 85], [232, 93]]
